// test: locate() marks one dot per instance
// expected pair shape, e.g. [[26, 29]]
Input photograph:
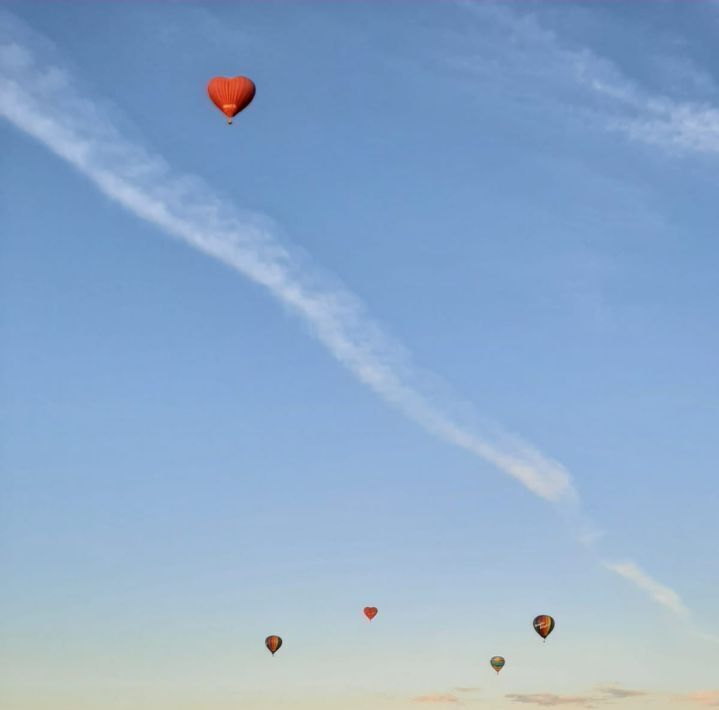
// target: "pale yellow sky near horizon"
[[113, 698]]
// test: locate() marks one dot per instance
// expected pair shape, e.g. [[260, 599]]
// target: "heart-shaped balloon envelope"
[[370, 612], [231, 95]]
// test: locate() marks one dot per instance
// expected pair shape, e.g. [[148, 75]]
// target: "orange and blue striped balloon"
[[273, 643]]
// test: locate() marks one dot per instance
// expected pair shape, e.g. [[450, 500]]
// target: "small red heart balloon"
[[231, 95], [370, 612]]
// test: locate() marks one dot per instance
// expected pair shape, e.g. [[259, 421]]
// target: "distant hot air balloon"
[[497, 662], [543, 625], [231, 95], [370, 612], [273, 643]]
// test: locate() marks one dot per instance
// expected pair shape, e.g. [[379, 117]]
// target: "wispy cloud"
[[609, 694], [455, 696], [550, 700], [436, 699], [534, 59], [705, 698], [600, 695], [675, 126], [590, 535], [613, 691], [660, 593], [80, 132]]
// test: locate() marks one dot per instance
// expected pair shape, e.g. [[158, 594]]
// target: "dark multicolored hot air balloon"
[[273, 644], [497, 662], [543, 625], [231, 95], [370, 612]]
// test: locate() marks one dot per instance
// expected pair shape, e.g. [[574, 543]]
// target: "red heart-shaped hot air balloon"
[[370, 612], [231, 95]]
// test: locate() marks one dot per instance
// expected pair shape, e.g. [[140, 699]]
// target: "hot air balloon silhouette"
[[231, 95], [370, 612], [497, 662], [543, 625], [273, 644]]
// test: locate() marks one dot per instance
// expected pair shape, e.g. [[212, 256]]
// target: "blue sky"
[[498, 218]]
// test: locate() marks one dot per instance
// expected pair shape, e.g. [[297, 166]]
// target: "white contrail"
[[534, 61], [40, 99], [661, 594]]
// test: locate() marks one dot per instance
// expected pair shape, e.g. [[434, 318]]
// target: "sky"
[[431, 327]]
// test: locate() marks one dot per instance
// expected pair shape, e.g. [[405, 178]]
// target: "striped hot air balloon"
[[231, 95], [543, 625], [273, 644], [497, 662]]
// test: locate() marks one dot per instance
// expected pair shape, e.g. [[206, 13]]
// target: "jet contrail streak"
[[660, 593], [77, 130]]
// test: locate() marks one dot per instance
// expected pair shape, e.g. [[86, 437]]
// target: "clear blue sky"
[[524, 196]]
